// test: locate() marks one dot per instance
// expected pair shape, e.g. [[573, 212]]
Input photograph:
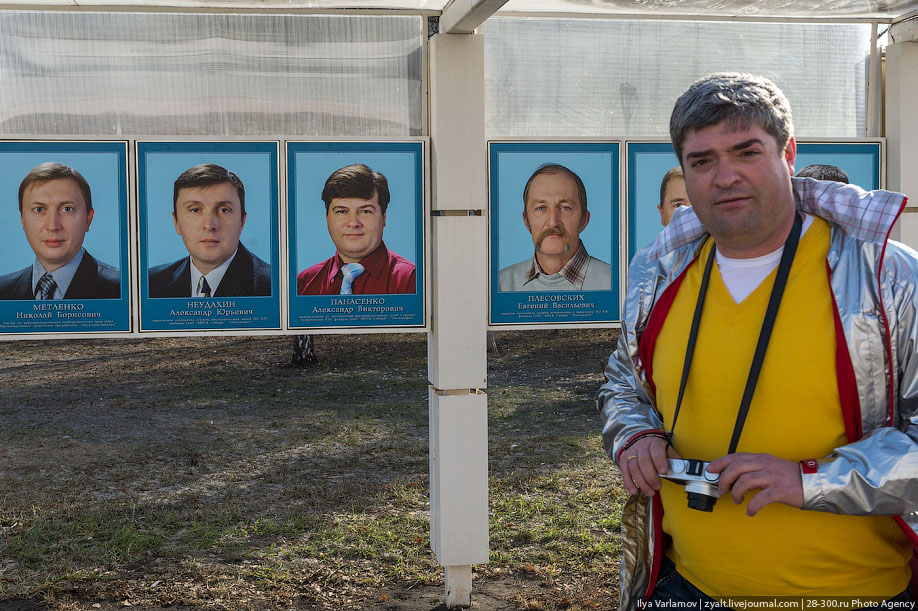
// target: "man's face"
[[553, 215], [739, 185], [55, 221], [210, 220], [355, 226], [675, 197]]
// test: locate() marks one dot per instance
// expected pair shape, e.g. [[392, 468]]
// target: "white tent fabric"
[[820, 10]]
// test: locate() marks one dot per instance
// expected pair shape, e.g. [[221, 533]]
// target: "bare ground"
[[205, 473]]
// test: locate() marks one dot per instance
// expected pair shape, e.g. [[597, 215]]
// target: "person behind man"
[[208, 209], [672, 194], [822, 171], [832, 426], [555, 213], [55, 206], [356, 199]]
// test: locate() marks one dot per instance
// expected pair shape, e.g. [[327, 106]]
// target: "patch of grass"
[[281, 487]]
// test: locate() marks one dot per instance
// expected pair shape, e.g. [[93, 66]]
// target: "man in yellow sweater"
[[815, 439]]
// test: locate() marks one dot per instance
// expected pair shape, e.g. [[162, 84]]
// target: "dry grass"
[[201, 472]]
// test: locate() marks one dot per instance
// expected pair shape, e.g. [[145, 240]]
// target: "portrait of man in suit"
[[55, 207], [208, 209], [356, 199], [555, 213]]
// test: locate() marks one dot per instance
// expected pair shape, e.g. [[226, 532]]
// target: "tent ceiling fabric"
[[817, 10]]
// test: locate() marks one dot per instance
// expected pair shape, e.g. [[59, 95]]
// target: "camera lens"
[[701, 496], [701, 502]]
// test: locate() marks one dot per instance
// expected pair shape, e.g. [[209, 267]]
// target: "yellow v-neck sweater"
[[795, 414]]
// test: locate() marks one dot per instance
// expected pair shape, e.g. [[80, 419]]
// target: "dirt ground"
[[127, 420]]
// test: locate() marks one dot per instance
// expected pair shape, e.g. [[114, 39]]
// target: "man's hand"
[[643, 462], [777, 479]]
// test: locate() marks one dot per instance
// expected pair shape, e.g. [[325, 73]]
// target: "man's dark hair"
[[356, 181], [206, 175], [742, 100], [821, 171], [670, 175], [552, 169], [52, 170]]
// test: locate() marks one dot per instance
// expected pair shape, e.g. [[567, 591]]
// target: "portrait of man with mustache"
[[555, 213]]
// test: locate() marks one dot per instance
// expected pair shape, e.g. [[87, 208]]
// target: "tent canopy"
[[758, 10]]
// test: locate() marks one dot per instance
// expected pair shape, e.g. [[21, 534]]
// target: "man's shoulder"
[[161, 277], [260, 267], [517, 268], [105, 272], [400, 263], [599, 266], [94, 279], [313, 270], [160, 272], [9, 282], [598, 275], [511, 277], [247, 276]]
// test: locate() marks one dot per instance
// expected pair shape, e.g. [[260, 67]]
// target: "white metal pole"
[[457, 357], [902, 125]]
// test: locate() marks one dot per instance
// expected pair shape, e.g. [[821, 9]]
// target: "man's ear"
[[244, 216], [790, 154], [175, 222], [89, 216], [526, 222], [586, 219]]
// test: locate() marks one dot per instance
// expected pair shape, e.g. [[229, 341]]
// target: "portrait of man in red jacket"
[[356, 199]]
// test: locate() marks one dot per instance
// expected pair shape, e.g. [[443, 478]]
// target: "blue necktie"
[[349, 272], [203, 287], [46, 287]]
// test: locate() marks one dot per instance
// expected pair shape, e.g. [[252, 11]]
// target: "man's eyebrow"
[[746, 144], [736, 147]]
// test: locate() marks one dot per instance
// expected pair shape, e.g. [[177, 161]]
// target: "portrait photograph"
[[355, 217], [208, 223], [860, 161], [656, 189], [554, 224], [66, 254]]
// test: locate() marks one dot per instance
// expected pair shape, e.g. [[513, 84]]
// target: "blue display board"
[[387, 240], [861, 160], [522, 294], [649, 161], [55, 227], [248, 295]]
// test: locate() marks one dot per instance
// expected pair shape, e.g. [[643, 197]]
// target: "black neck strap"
[[777, 291]]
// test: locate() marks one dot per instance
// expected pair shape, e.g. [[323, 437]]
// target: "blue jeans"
[[672, 587]]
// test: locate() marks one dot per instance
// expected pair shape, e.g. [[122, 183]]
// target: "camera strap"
[[771, 312]]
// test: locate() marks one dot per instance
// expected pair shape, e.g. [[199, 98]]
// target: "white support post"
[[457, 354], [902, 130]]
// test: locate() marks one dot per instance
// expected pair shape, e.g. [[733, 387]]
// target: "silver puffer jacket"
[[875, 286]]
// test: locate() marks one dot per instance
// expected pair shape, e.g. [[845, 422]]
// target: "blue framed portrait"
[[65, 246], [554, 232], [650, 201], [355, 221], [648, 164], [209, 247], [861, 161]]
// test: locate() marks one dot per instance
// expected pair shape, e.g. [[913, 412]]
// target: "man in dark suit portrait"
[[208, 208], [55, 206]]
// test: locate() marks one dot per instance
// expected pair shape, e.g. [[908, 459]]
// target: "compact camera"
[[700, 484]]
